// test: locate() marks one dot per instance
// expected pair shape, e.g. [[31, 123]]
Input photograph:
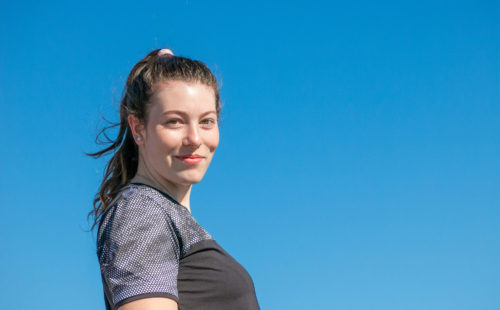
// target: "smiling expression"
[[181, 132]]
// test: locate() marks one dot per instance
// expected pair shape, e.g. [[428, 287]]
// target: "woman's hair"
[[138, 90]]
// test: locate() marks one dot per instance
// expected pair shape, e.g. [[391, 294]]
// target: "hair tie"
[[165, 51]]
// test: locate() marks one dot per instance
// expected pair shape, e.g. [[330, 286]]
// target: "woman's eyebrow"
[[186, 114]]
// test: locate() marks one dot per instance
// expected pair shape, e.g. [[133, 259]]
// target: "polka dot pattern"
[[140, 241]]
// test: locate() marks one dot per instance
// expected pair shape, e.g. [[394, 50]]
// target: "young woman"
[[152, 253]]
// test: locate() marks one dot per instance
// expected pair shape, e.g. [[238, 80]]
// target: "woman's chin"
[[190, 179]]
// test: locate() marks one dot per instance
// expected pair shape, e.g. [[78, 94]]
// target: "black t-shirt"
[[148, 245]]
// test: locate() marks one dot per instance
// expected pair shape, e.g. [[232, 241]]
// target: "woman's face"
[[181, 132]]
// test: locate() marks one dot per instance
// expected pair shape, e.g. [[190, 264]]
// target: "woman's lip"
[[190, 156], [190, 160]]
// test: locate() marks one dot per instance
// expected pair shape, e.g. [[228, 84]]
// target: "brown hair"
[[138, 90]]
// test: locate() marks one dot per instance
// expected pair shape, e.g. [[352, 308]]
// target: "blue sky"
[[358, 165]]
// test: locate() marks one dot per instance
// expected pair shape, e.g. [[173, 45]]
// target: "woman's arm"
[[139, 254], [153, 303]]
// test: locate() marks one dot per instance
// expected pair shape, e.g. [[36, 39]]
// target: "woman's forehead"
[[169, 85], [183, 96]]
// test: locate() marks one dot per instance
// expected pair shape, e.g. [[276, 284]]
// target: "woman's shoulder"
[[134, 202], [138, 191], [139, 207], [140, 196]]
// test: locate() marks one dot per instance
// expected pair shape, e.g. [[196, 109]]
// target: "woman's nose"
[[192, 137]]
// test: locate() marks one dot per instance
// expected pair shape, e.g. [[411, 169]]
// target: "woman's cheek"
[[214, 140], [171, 139]]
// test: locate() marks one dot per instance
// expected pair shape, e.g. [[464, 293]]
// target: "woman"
[[152, 253]]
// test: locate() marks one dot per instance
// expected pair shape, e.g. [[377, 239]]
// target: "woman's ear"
[[137, 128]]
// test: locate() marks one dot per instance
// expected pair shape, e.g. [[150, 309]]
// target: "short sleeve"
[[138, 250]]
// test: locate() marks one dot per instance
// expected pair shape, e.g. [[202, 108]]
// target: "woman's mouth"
[[190, 159]]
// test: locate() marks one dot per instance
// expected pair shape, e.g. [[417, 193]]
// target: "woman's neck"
[[181, 193]]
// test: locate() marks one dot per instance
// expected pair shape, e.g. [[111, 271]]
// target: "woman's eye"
[[208, 122], [173, 122]]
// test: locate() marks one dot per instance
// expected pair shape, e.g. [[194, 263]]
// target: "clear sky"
[[359, 159]]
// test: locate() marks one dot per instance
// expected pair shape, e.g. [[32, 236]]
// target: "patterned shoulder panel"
[[138, 249], [186, 228]]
